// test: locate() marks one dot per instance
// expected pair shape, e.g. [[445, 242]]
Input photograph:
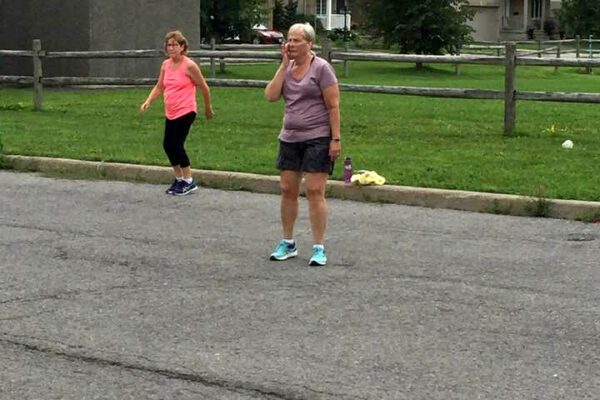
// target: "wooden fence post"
[[456, 66], [577, 46], [591, 52], [557, 55], [510, 102], [539, 46], [37, 75], [222, 65], [213, 72], [346, 62], [326, 50]]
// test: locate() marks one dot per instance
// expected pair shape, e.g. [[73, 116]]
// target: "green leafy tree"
[[421, 27], [291, 9], [286, 15], [279, 16], [580, 17], [220, 19]]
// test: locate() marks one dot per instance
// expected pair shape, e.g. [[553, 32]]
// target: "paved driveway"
[[113, 290]]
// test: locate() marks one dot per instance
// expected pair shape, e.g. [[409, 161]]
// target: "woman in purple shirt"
[[309, 142]]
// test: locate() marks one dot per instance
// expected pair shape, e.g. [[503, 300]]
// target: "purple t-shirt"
[[306, 116]]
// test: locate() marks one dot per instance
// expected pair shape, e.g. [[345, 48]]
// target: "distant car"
[[262, 35]]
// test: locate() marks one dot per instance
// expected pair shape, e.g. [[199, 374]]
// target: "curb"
[[405, 195]]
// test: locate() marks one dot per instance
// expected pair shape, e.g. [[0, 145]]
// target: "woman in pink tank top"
[[179, 76]]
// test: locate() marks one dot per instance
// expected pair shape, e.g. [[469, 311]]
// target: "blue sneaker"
[[283, 251], [318, 258], [185, 188], [171, 189]]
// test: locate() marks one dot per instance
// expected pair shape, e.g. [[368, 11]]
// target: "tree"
[[279, 16], [220, 19], [580, 17], [286, 15], [290, 11], [421, 27]]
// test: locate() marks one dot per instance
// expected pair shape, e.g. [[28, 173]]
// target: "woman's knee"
[[169, 146], [315, 192], [289, 191]]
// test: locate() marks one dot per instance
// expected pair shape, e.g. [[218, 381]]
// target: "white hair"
[[309, 32]]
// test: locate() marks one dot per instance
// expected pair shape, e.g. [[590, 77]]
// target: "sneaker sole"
[[289, 255], [314, 263]]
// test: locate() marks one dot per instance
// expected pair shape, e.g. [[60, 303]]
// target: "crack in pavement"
[[62, 232], [465, 283], [206, 380], [66, 294], [20, 317], [520, 289]]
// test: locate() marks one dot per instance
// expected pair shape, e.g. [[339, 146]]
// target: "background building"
[[141, 24], [329, 12], [93, 25], [511, 19]]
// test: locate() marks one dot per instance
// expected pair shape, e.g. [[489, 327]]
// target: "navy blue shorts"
[[309, 156]]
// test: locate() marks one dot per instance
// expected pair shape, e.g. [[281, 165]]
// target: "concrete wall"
[[486, 23], [93, 25], [138, 24], [60, 24]]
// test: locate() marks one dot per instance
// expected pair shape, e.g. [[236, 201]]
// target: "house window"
[[321, 7], [337, 6], [536, 9]]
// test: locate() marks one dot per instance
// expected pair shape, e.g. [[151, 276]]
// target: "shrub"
[[279, 16], [550, 27], [343, 35]]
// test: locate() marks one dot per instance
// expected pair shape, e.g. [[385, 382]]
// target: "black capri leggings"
[[176, 131]]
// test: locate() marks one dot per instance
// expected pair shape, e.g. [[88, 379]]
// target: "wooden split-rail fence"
[[510, 60]]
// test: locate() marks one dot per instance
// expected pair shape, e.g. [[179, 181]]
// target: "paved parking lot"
[[114, 290]]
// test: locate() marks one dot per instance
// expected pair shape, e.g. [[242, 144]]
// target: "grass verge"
[[413, 141]]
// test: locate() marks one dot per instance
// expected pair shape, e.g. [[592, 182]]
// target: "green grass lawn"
[[415, 141]]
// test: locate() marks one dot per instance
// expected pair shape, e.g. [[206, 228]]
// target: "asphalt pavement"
[[115, 290]]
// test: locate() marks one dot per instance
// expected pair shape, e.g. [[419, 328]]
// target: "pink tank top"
[[179, 90]]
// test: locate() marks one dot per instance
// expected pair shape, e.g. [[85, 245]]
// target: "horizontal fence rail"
[[16, 79], [582, 47], [268, 55], [106, 54], [510, 60], [558, 62], [16, 53], [503, 42], [415, 58], [561, 97], [245, 47]]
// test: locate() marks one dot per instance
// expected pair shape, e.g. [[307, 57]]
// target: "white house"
[[494, 19], [510, 19], [331, 13]]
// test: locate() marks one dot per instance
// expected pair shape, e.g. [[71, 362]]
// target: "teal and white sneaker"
[[283, 251], [318, 258]]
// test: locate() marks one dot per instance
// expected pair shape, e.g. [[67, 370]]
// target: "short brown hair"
[[179, 38]]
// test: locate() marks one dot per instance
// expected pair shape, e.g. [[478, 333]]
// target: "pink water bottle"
[[348, 171]]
